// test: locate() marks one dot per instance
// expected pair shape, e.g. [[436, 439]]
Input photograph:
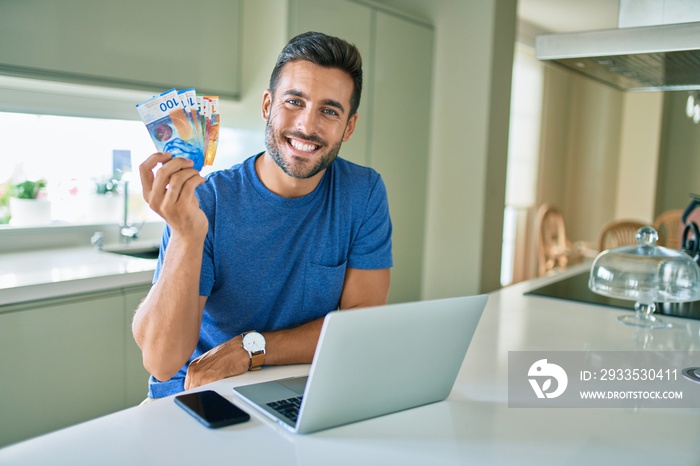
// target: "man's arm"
[[362, 288], [365, 288], [166, 324]]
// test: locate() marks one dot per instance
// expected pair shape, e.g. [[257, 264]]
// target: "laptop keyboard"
[[289, 407]]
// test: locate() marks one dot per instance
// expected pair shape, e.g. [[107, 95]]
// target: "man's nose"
[[307, 121]]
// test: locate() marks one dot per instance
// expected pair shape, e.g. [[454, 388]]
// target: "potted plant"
[[4, 204], [28, 205]]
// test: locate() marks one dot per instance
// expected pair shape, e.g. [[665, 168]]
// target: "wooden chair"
[[619, 233], [554, 250], [669, 226]]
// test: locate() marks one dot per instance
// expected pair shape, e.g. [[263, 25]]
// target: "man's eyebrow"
[[294, 92], [327, 102]]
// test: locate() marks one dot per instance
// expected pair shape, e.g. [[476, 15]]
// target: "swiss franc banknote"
[[174, 121]]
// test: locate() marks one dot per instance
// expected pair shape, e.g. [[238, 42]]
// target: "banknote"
[[188, 97], [212, 129], [177, 125]]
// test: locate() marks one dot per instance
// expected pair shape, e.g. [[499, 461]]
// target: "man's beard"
[[298, 167]]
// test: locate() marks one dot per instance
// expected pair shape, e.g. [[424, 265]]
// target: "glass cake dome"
[[646, 274]]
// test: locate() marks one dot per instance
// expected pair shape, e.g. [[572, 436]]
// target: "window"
[[67, 134], [76, 158], [523, 158]]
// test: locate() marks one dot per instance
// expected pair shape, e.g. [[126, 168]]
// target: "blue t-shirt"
[[272, 263]]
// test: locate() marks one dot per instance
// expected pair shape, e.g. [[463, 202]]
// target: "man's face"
[[307, 117]]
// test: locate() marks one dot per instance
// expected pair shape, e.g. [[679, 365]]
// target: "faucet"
[[127, 231], [98, 240]]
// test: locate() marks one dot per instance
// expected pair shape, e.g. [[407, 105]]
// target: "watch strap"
[[257, 359]]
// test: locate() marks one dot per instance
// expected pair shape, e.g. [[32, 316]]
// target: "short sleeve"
[[371, 248]]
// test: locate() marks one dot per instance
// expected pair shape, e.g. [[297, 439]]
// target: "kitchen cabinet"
[[136, 378], [152, 45], [397, 64], [399, 145], [67, 360]]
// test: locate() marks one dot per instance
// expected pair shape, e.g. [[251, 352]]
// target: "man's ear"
[[266, 104], [350, 127]]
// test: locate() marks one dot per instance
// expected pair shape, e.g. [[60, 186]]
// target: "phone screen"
[[211, 409]]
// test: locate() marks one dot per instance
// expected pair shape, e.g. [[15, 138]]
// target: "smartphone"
[[211, 409]]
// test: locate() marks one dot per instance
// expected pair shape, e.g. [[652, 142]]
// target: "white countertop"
[[28, 276], [473, 426]]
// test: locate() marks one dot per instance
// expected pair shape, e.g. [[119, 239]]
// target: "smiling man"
[[304, 130], [254, 257]]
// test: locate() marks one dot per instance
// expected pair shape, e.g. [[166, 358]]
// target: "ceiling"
[[569, 15]]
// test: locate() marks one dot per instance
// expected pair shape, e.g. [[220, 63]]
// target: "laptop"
[[374, 361]]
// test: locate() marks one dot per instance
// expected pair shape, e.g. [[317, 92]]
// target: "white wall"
[[639, 156], [679, 161], [471, 100], [594, 146], [600, 151], [579, 154]]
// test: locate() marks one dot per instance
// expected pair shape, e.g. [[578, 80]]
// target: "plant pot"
[[29, 212], [105, 209]]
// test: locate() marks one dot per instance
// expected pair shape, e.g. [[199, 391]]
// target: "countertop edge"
[[62, 273], [63, 289]]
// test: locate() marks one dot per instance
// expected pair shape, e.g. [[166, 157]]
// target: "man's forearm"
[[290, 346], [293, 346], [166, 325]]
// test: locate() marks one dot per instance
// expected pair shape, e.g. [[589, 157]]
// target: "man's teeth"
[[298, 145]]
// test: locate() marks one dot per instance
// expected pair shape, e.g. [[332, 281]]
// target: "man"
[[255, 256]]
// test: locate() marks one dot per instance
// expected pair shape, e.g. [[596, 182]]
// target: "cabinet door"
[[400, 116], [352, 22], [154, 44], [61, 362], [136, 376]]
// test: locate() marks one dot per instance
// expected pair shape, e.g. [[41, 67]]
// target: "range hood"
[[654, 49]]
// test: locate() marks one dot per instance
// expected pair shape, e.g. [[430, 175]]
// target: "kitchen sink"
[[140, 251]]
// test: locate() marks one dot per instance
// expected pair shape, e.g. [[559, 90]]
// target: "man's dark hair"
[[326, 51]]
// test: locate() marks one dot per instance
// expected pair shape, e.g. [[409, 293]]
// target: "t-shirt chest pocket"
[[322, 287]]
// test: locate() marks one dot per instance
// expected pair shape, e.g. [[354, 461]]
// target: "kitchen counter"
[[474, 425], [52, 273]]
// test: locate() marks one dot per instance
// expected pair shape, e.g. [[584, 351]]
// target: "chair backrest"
[[552, 243], [619, 233], [669, 226]]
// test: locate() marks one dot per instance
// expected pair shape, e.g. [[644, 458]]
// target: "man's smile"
[[302, 146]]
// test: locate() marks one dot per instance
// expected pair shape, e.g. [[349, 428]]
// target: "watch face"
[[254, 342]]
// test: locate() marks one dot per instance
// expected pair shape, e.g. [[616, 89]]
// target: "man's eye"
[[294, 102], [330, 111]]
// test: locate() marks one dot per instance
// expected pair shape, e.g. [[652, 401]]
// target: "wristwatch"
[[254, 344]]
